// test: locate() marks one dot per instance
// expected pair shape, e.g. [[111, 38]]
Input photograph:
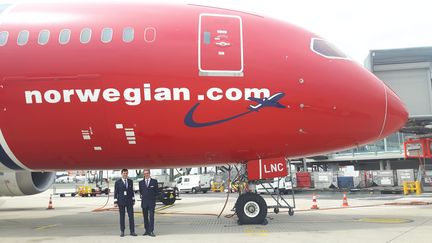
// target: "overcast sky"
[[353, 26]]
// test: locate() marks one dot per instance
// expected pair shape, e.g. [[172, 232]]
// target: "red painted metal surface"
[[267, 168], [118, 104], [303, 179], [418, 148]]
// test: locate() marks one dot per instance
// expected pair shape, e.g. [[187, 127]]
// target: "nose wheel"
[[251, 208]]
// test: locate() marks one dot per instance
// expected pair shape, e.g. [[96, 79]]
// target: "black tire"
[[169, 201], [194, 190], [204, 191], [291, 212], [251, 208], [73, 194], [276, 210]]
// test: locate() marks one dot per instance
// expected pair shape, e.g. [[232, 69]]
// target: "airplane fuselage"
[[75, 101]]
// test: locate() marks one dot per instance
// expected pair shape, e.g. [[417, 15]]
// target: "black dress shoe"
[[152, 234], [146, 233], [122, 234], [134, 234]]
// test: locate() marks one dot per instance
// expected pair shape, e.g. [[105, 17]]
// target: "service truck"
[[194, 183]]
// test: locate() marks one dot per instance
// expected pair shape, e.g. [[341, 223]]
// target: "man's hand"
[[115, 205]]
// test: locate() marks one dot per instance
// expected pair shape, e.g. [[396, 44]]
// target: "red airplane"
[[110, 85]]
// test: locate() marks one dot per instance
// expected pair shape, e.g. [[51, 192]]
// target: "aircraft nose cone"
[[396, 114]]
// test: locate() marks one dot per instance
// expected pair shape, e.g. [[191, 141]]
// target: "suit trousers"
[[122, 209], [148, 214]]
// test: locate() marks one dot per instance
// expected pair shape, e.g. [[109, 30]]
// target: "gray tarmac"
[[369, 218]]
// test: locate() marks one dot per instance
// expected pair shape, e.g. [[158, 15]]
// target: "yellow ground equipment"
[[217, 186], [88, 191], [84, 191], [412, 186]]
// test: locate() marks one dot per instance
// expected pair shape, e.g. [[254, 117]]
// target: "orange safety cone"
[[345, 200], [314, 202], [50, 206]]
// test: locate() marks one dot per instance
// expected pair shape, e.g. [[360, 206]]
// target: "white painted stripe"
[[86, 137], [119, 126], [129, 129], [98, 148], [221, 53], [132, 142], [385, 113], [222, 31], [9, 152], [130, 138], [130, 134], [260, 171]]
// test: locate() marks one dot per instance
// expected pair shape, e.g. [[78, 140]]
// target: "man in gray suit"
[[148, 191], [124, 199]]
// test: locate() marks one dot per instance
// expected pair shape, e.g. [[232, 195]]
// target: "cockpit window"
[[326, 49]]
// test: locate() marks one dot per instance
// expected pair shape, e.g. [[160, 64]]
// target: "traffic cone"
[[314, 202], [345, 200], [50, 206]]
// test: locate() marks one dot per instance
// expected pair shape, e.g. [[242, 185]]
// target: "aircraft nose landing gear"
[[251, 208]]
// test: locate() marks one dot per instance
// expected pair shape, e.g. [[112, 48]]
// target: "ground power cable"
[[228, 192], [103, 208]]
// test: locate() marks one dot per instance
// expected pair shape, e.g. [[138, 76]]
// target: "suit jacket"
[[123, 195], [148, 194]]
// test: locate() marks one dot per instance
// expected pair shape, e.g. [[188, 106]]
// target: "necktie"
[[147, 182], [125, 181]]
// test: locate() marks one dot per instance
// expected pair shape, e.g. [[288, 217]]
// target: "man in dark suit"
[[124, 198], [148, 190]]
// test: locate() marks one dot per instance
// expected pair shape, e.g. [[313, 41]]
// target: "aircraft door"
[[220, 45]]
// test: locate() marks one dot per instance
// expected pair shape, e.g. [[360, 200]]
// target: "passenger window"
[[149, 34], [325, 49], [85, 35], [23, 37], [64, 36], [3, 37], [107, 34], [43, 37], [128, 34]]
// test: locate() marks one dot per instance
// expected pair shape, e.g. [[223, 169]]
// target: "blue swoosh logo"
[[189, 121], [272, 101]]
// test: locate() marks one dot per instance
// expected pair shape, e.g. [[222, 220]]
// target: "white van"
[[194, 183], [284, 185]]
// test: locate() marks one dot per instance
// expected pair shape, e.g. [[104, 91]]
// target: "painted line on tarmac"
[[410, 203], [46, 227], [253, 231], [385, 220], [414, 203], [157, 210], [163, 208]]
